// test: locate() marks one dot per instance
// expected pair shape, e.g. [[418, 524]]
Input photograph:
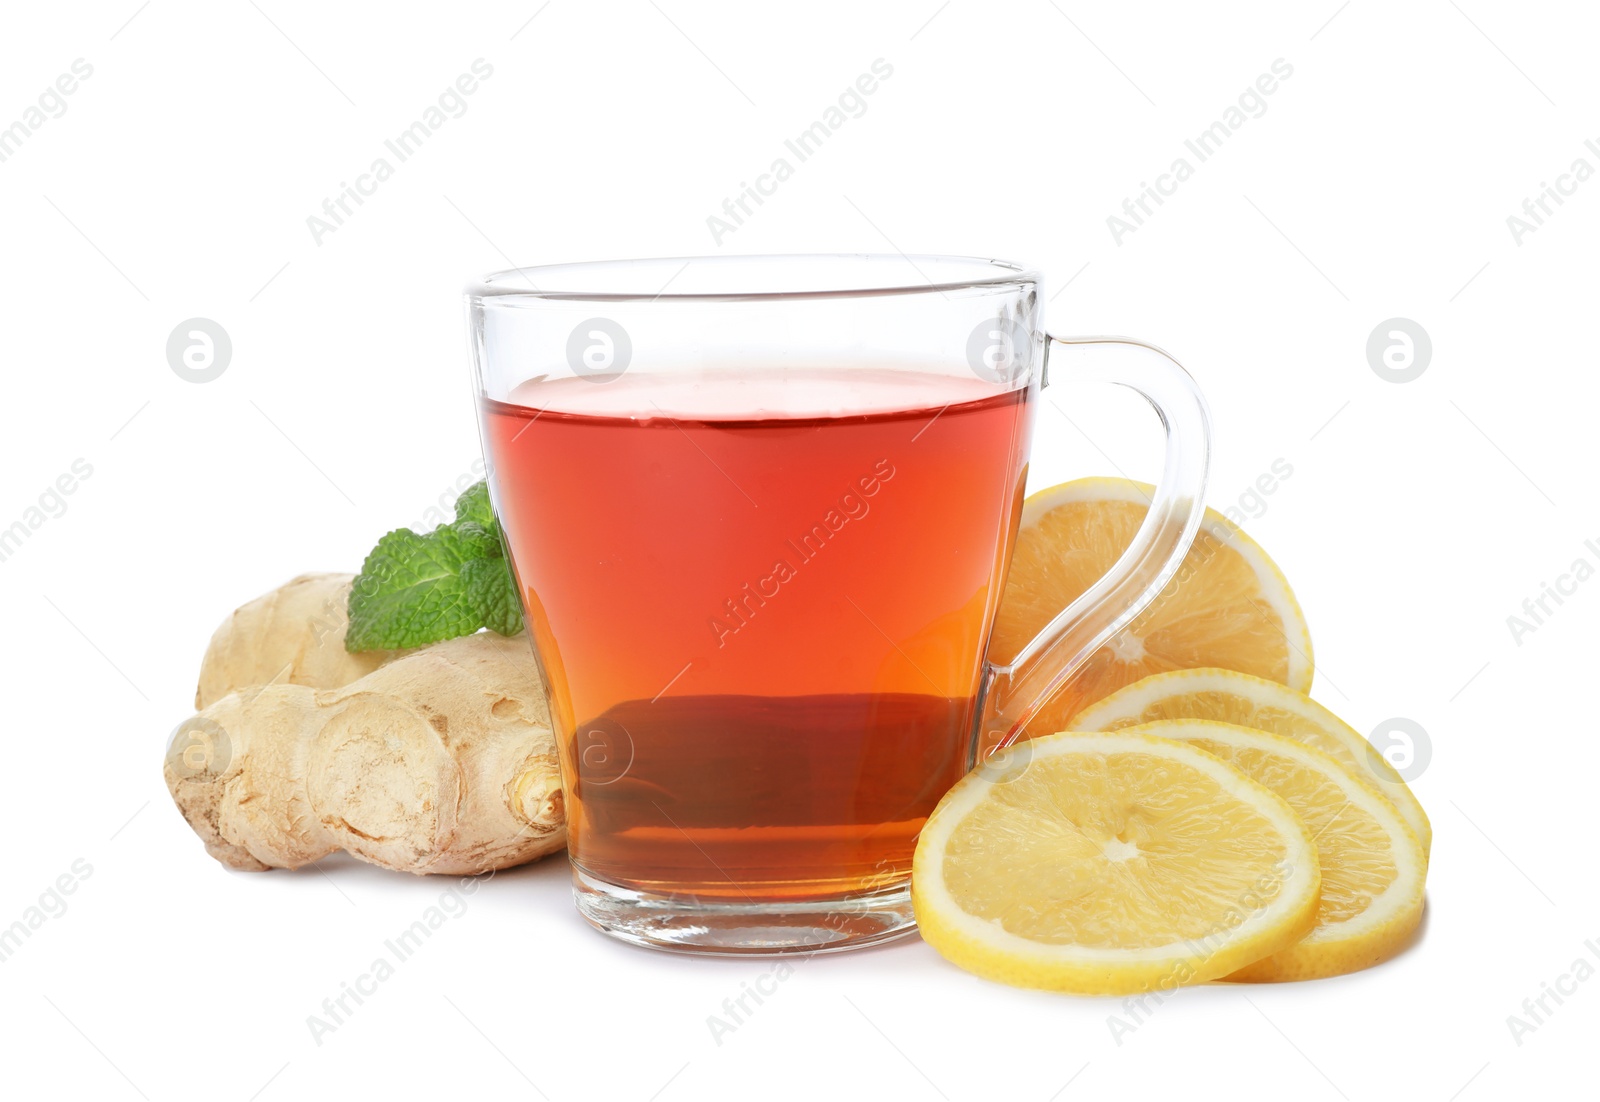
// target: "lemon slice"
[[1231, 697], [1373, 866], [1111, 864], [1228, 606]]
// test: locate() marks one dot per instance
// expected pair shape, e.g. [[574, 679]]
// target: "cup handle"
[[1017, 691]]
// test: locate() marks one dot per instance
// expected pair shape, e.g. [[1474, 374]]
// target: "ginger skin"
[[293, 635], [439, 760]]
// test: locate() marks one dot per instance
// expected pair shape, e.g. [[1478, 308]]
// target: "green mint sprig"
[[417, 589]]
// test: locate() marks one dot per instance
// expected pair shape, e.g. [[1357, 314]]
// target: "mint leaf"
[[410, 590], [418, 589], [477, 542], [473, 505], [492, 592]]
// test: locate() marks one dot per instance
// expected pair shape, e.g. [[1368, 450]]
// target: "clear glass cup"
[[760, 511]]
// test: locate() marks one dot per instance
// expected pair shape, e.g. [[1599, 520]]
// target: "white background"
[[1417, 519]]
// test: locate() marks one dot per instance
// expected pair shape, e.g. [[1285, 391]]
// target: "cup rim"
[[609, 280]]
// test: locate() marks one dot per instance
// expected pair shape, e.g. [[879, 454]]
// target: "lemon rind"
[[1275, 586], [983, 947], [1364, 939], [1130, 700]]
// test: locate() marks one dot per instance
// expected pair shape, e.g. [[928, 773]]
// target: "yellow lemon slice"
[[1228, 606], [1231, 697], [1373, 866], [1111, 864]]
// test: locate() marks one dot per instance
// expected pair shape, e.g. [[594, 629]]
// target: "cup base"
[[743, 929]]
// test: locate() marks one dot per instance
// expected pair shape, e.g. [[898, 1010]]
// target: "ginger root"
[[439, 760], [293, 635]]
